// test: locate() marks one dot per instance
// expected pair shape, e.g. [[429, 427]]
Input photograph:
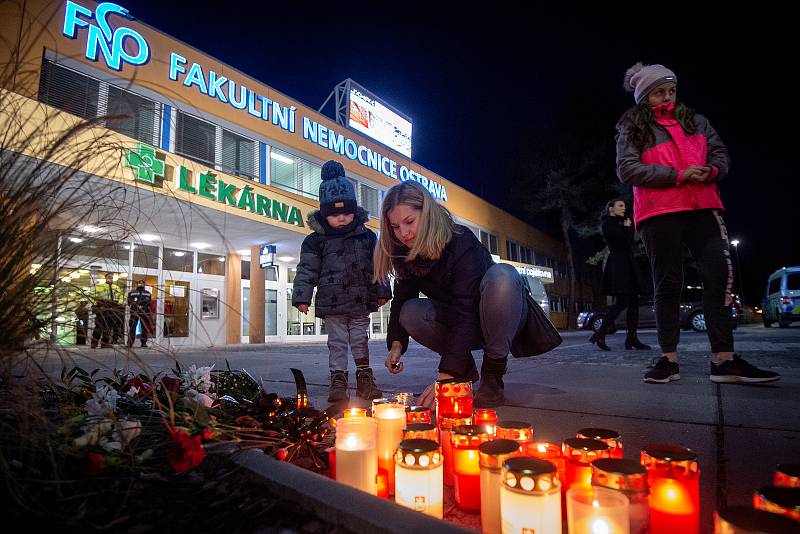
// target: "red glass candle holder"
[[550, 452], [579, 453], [778, 500], [674, 478], [418, 414], [448, 422], [787, 475], [332, 461], [486, 418], [382, 483], [453, 396], [609, 437], [519, 431], [421, 431], [465, 441], [745, 520], [355, 412]]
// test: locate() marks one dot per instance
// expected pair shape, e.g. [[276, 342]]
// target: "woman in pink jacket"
[[674, 160]]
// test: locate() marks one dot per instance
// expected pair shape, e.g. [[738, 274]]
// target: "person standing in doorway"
[[139, 304], [675, 161], [337, 259], [81, 322], [108, 298], [620, 276]]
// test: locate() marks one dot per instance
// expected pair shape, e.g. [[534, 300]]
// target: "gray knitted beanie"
[[641, 79]]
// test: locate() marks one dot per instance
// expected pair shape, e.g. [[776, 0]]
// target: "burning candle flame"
[[541, 448], [599, 526]]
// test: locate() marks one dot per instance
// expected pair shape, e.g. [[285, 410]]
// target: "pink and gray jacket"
[[656, 173]]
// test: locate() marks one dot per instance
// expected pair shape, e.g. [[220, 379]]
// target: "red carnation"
[[95, 464], [143, 387], [171, 384], [185, 452]]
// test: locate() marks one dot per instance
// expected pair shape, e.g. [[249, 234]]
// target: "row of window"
[[523, 254], [195, 138]]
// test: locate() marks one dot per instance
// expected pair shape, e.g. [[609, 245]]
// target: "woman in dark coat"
[[472, 302], [620, 278]]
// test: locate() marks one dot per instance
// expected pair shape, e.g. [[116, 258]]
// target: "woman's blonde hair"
[[434, 228]]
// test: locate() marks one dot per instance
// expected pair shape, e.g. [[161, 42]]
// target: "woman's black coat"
[[620, 276], [453, 283]]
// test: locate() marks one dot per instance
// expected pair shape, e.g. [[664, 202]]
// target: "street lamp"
[[735, 243]]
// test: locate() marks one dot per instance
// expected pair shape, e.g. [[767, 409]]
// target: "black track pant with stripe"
[[704, 233]]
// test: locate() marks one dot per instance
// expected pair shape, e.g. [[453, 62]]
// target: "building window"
[[294, 174], [131, 115], [178, 260], [489, 241], [369, 200], [69, 90], [238, 155], [195, 139]]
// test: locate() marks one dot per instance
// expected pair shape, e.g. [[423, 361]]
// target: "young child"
[[337, 260], [675, 160]]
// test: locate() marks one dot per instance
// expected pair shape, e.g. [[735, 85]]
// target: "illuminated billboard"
[[370, 116]]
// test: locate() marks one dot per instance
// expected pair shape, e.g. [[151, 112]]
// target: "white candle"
[[419, 471], [391, 419], [530, 497], [597, 510], [492, 455], [355, 453]]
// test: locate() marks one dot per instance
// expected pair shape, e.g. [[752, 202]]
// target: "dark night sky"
[[476, 84]]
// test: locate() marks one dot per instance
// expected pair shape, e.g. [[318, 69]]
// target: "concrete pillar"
[[257, 303], [233, 294]]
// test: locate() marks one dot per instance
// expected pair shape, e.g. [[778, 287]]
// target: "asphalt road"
[[739, 432]]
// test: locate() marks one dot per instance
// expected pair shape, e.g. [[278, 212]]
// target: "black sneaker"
[[664, 371], [738, 371]]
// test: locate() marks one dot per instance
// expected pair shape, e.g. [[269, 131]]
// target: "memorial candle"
[[579, 453], [784, 501], [465, 440], [745, 520], [356, 438], [596, 510], [448, 422], [418, 478], [630, 479], [550, 452], [674, 479], [355, 412], [519, 431], [492, 454], [530, 497], [609, 437], [391, 419], [787, 475], [418, 414], [453, 396], [421, 431], [486, 418]]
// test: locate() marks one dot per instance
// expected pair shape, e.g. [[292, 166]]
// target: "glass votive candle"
[[356, 439], [787, 475], [674, 479], [382, 483], [331, 461], [355, 412], [519, 431], [530, 496], [391, 419], [550, 452], [420, 431], [418, 414], [485, 417], [465, 440], [784, 501], [579, 453], [745, 520], [446, 426], [418, 476], [491, 456], [630, 479], [596, 510], [609, 437], [453, 396]]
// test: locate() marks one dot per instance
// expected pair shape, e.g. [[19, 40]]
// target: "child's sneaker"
[[338, 391], [365, 385], [738, 371], [664, 371]]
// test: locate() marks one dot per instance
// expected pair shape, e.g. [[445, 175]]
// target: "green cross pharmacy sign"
[[147, 166]]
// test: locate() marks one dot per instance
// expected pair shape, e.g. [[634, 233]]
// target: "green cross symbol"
[[144, 163]]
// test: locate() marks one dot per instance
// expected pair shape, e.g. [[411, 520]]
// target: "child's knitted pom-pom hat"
[[640, 79]]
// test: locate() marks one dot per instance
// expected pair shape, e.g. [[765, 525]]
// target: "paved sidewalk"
[[740, 432]]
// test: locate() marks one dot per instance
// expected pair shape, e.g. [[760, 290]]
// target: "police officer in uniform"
[[139, 303]]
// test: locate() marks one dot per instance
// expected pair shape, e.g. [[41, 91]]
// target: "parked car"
[[691, 313], [538, 293], [782, 297]]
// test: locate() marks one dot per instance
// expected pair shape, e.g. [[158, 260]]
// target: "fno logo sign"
[[115, 46]]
